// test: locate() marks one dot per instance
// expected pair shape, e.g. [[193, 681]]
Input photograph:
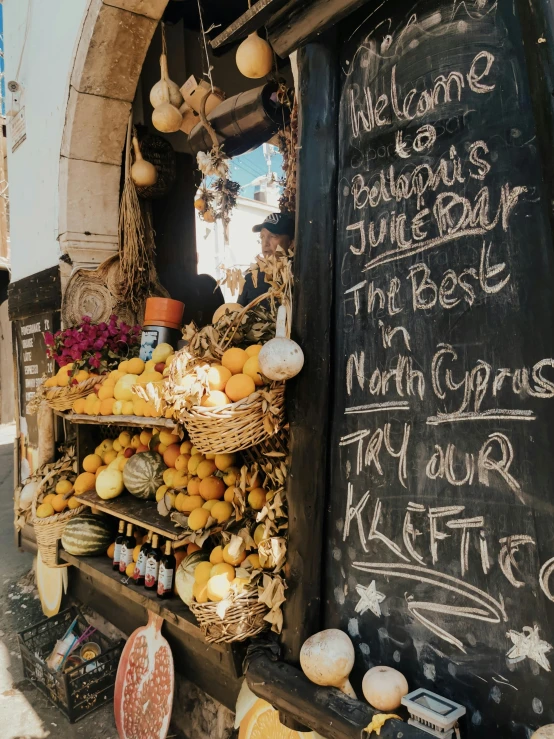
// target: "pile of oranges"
[[235, 378], [62, 499]]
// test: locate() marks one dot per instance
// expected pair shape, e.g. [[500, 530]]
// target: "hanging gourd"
[[157, 92], [545, 732], [327, 658], [281, 358], [384, 687], [166, 98], [254, 57], [143, 173]]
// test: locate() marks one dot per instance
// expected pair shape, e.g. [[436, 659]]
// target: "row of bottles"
[[154, 569]]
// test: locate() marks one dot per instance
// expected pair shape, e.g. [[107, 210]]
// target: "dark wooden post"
[[308, 394]]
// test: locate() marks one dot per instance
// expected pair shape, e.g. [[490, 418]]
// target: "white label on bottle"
[[117, 554], [126, 557], [140, 569], [151, 573], [165, 580]]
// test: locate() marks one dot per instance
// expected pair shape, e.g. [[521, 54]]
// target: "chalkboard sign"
[[441, 513], [33, 364]]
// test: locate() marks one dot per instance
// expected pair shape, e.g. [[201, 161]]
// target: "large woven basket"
[[62, 398], [232, 428], [243, 619], [48, 531]]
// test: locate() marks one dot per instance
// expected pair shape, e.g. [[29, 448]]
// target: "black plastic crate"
[[82, 689]]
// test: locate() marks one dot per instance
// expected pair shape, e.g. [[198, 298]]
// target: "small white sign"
[[18, 129]]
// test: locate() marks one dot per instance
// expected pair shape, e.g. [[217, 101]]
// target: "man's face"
[[270, 242]]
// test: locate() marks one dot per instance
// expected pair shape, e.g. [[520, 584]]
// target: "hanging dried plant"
[[288, 146]]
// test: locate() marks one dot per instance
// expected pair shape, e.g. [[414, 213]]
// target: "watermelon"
[[184, 578], [143, 475], [86, 535]]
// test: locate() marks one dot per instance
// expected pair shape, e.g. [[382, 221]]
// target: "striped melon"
[[86, 535], [184, 577], [143, 475]]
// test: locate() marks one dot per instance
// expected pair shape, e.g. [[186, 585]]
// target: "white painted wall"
[[40, 38]]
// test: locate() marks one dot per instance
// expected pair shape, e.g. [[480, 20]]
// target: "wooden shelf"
[[138, 421], [143, 513], [172, 610]]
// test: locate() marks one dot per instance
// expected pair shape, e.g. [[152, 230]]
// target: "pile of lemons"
[[235, 378], [62, 499], [115, 396]]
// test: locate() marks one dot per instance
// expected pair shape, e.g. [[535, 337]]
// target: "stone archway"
[[110, 52]]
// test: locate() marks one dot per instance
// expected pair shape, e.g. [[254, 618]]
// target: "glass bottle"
[[167, 573], [118, 543], [140, 568], [127, 547], [152, 565]]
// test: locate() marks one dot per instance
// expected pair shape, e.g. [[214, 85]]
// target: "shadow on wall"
[[7, 409]]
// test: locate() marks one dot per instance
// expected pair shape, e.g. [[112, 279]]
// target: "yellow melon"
[[123, 387]]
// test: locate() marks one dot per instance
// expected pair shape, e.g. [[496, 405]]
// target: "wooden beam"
[[254, 18], [298, 23], [325, 710], [125, 421], [308, 394]]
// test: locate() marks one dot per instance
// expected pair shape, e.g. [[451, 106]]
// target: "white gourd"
[[254, 57], [166, 117], [545, 732], [384, 687], [281, 358], [27, 494], [143, 173], [327, 658], [157, 96]]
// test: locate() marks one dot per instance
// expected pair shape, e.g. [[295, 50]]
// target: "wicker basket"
[[48, 531], [232, 428], [243, 619], [62, 398]]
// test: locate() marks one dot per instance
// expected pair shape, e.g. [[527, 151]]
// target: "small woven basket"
[[232, 428], [48, 531], [243, 619], [62, 398]]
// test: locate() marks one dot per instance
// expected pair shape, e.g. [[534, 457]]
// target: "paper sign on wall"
[[18, 129]]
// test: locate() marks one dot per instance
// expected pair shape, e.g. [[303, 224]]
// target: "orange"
[[216, 556], [51, 382], [190, 503], [130, 569], [262, 722], [97, 407], [79, 406], [114, 376], [222, 511], [257, 498], [127, 408], [239, 387], [193, 486], [73, 502], [64, 487], [192, 547], [224, 461], [234, 360], [123, 367], [135, 366], [205, 469], [223, 569], [106, 406], [186, 446], [231, 559], [171, 454], [200, 592], [253, 350], [91, 463], [209, 504], [169, 476], [180, 480], [136, 552], [215, 399], [146, 437], [110, 456], [59, 503], [85, 482], [230, 494], [198, 519], [167, 438], [252, 369], [139, 406], [106, 391], [231, 476], [212, 487], [111, 550], [45, 509], [49, 498], [101, 469], [218, 376], [202, 572], [193, 463], [181, 463], [254, 560]]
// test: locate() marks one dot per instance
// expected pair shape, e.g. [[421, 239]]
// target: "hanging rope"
[[205, 46]]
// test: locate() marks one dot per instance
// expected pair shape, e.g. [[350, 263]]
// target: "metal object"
[[432, 713]]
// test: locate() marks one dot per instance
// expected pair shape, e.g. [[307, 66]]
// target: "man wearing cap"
[[276, 231]]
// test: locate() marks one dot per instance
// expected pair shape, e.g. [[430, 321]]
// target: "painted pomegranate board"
[[440, 559], [145, 683]]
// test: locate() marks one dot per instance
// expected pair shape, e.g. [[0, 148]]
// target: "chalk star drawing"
[[528, 644], [370, 599]]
